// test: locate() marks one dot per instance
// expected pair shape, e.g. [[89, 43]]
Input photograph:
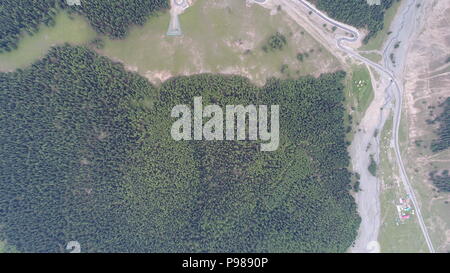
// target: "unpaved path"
[[387, 88], [405, 26]]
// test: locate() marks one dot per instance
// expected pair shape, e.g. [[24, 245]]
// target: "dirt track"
[[386, 89]]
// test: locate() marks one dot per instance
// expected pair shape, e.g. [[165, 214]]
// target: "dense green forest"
[[112, 17], [23, 16], [86, 155], [357, 13], [441, 181], [443, 132]]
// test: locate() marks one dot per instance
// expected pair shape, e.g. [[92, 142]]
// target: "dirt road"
[[388, 90], [404, 26]]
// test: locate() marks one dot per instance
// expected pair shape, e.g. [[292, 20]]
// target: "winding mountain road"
[[385, 71]]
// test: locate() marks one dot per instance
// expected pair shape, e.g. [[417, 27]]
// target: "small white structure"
[[74, 2], [176, 8], [374, 2]]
